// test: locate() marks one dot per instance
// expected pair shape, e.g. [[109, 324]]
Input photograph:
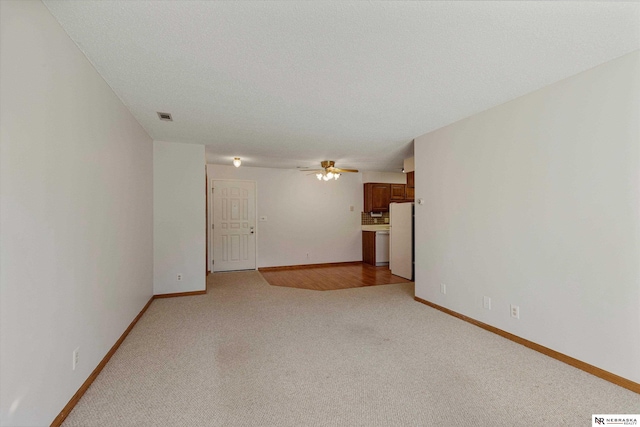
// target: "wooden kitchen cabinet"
[[377, 197], [410, 194], [369, 247], [398, 192], [410, 180]]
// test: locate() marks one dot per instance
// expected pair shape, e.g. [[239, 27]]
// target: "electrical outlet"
[[443, 288], [76, 358], [179, 277], [486, 303], [515, 311]]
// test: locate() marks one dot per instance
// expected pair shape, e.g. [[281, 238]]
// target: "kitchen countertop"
[[376, 227]]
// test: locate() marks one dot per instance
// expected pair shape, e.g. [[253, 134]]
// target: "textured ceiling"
[[288, 84]]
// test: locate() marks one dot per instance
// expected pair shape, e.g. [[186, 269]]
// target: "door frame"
[[210, 218]]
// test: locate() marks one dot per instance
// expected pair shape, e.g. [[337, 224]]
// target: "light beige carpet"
[[250, 354]]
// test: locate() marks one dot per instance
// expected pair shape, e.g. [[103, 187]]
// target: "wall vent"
[[165, 116]]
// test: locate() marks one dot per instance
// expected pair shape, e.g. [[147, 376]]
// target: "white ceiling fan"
[[328, 171]]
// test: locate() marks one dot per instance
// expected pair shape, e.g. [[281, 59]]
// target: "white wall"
[[304, 215], [384, 177], [179, 217], [76, 245], [409, 165], [536, 203]]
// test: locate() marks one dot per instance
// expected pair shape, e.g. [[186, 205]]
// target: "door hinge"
[[213, 226]]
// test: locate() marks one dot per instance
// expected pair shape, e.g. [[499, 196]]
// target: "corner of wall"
[[179, 193]]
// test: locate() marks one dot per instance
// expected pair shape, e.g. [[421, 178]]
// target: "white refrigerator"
[[401, 239]]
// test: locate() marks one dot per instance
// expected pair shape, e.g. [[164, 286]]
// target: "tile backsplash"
[[367, 220]]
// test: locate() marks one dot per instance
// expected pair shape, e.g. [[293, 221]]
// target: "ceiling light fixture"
[[326, 176], [328, 171], [237, 162]]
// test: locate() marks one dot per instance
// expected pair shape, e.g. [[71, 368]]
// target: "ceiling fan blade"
[[340, 170], [329, 168]]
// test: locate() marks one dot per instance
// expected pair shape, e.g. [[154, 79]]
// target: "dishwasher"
[[382, 247]]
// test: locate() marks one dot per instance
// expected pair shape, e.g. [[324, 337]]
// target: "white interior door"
[[400, 240], [234, 224]]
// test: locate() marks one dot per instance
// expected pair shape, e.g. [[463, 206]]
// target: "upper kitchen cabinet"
[[397, 192], [377, 197], [410, 179], [410, 194]]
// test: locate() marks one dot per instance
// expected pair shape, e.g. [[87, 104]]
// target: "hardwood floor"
[[328, 277]]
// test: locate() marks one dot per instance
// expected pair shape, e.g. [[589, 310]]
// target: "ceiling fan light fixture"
[[328, 171], [237, 162]]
